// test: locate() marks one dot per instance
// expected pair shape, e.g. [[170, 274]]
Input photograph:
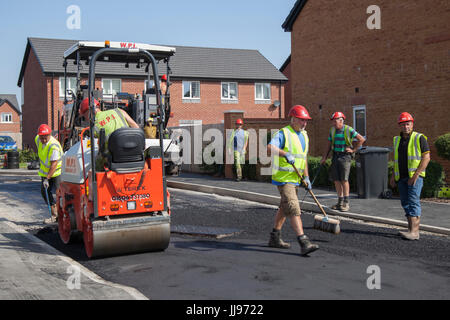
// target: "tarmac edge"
[[310, 206]]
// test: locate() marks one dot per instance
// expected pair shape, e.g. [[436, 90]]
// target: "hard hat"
[[163, 77], [405, 117], [337, 115], [239, 121], [299, 112], [84, 106], [44, 130]]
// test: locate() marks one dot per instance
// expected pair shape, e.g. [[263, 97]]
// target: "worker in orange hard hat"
[[237, 144], [411, 158], [289, 147], [50, 155], [109, 120], [343, 142]]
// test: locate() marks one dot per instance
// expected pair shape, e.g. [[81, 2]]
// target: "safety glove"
[[45, 183], [289, 158], [307, 183]]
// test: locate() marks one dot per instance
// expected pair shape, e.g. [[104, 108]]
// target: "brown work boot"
[[402, 233], [54, 213], [413, 233], [306, 245], [276, 242], [345, 207], [338, 205]]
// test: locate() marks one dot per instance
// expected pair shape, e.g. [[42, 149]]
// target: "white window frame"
[[190, 90], [360, 108], [6, 115], [61, 85], [228, 84], [152, 84], [268, 100], [110, 95]]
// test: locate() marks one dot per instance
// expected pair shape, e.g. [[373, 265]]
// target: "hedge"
[[442, 145], [433, 181]]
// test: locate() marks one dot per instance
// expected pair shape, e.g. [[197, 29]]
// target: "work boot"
[[345, 207], [402, 233], [338, 205], [276, 242], [306, 245], [54, 213], [413, 234]]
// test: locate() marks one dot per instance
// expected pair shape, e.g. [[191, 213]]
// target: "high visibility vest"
[[347, 136], [110, 120], [282, 171], [233, 134], [414, 155], [45, 154]]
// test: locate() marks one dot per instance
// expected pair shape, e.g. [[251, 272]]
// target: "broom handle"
[[311, 193]]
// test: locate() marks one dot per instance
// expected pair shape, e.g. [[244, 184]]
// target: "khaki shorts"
[[289, 200]]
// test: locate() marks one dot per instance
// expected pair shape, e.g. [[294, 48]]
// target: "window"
[[359, 119], [191, 90], [229, 91], [7, 118], [111, 87], [262, 91], [71, 85], [152, 84]]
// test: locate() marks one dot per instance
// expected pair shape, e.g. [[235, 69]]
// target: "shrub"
[[433, 181], [27, 155], [442, 145]]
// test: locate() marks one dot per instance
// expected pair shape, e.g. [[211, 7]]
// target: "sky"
[[237, 24]]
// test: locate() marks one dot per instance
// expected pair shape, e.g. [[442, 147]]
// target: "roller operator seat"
[[126, 150]]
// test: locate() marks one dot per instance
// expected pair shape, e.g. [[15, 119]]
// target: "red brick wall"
[[131, 86], [34, 106], [404, 66], [13, 127], [288, 90], [211, 109]]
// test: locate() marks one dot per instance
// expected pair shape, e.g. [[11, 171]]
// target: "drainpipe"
[[279, 96], [52, 105]]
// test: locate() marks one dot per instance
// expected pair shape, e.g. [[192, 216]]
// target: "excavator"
[[123, 207]]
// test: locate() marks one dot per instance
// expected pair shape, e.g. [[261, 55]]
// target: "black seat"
[[126, 150]]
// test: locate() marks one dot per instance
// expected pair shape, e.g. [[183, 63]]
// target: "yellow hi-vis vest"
[[347, 137], [110, 120], [233, 134], [414, 155], [45, 154], [282, 171]]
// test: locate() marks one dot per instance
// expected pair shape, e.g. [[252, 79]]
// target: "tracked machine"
[[123, 207]]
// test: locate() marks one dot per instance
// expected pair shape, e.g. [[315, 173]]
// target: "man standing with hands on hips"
[[50, 154], [290, 147], [411, 158], [340, 142]]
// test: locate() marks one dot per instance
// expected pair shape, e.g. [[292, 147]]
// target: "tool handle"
[[311, 193]]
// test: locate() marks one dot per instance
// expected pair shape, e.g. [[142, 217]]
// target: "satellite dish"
[[276, 104]]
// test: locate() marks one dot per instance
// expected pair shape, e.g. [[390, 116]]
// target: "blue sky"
[[241, 24]]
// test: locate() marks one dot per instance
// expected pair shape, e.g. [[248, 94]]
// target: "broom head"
[[327, 224]]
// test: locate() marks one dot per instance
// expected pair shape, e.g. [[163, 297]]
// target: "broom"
[[322, 222]]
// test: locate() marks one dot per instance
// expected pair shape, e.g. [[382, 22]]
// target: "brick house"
[[10, 118], [286, 70], [339, 64], [206, 82]]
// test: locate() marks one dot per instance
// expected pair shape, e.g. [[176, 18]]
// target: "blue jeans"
[[410, 197]]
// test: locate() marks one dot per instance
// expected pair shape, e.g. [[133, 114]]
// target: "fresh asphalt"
[[243, 267]]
